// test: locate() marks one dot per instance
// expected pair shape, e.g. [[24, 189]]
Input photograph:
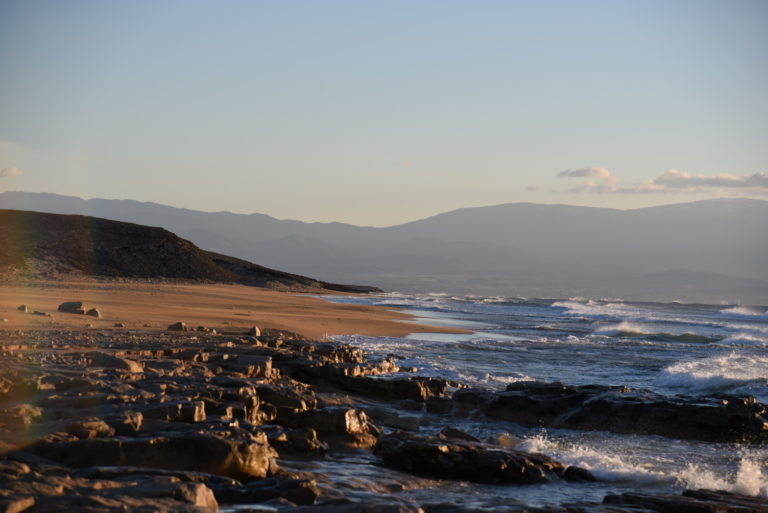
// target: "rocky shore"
[[182, 421]]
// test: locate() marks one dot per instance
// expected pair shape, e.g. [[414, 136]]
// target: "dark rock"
[[332, 420], [93, 312], [456, 434], [692, 501], [298, 491], [193, 411], [23, 308], [287, 397], [464, 461], [74, 307], [415, 388], [618, 409], [178, 326]]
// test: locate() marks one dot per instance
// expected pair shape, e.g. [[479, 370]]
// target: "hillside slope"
[[31, 241]]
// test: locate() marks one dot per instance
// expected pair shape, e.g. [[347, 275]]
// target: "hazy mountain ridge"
[[513, 249]]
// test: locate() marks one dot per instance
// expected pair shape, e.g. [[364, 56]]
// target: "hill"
[[716, 248], [52, 243]]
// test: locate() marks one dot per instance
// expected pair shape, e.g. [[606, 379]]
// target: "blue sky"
[[383, 112]]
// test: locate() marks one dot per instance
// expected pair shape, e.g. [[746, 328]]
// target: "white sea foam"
[[604, 466], [749, 478], [745, 312], [622, 327], [714, 374], [744, 339], [514, 378]]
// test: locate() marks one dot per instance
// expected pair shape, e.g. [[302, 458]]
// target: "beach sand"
[[140, 305]]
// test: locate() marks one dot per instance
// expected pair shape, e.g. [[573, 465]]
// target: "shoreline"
[[224, 307]]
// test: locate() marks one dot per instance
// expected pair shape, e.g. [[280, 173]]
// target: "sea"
[[669, 348]]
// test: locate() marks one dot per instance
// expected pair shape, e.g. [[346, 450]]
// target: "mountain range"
[[708, 251]]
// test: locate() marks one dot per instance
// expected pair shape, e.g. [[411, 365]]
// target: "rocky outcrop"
[[720, 418], [466, 461]]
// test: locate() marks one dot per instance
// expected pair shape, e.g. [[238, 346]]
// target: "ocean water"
[[669, 348]]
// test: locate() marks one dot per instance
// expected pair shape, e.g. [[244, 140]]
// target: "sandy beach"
[[222, 307]]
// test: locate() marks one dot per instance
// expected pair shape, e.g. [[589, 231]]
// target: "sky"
[[382, 112]]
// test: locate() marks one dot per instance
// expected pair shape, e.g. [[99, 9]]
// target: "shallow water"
[[667, 348]]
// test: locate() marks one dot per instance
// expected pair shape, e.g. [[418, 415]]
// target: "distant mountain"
[[42, 243], [513, 249]]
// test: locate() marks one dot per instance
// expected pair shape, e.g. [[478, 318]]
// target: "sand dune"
[[223, 307]]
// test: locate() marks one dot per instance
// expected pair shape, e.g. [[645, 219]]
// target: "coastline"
[[224, 307]]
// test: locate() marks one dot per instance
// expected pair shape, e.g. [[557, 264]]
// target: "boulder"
[[254, 331], [464, 460], [23, 308], [178, 326], [73, 307], [93, 312], [114, 362]]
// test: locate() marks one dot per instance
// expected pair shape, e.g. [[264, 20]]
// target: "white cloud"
[[675, 179], [601, 180], [10, 172]]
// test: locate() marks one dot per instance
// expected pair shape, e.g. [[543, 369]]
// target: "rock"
[[239, 459], [23, 308], [125, 423], [193, 411], [178, 326], [416, 388], [694, 501], [254, 332], [93, 312], [16, 505], [464, 460], [719, 418], [456, 434], [287, 397], [333, 420], [90, 428], [119, 325], [252, 366], [505, 440], [113, 362], [3, 319], [298, 491], [578, 475], [73, 307], [41, 314]]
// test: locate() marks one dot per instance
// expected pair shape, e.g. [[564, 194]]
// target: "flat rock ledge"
[[718, 418]]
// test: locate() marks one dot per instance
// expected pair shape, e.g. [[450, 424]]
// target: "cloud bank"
[[601, 180], [10, 172]]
